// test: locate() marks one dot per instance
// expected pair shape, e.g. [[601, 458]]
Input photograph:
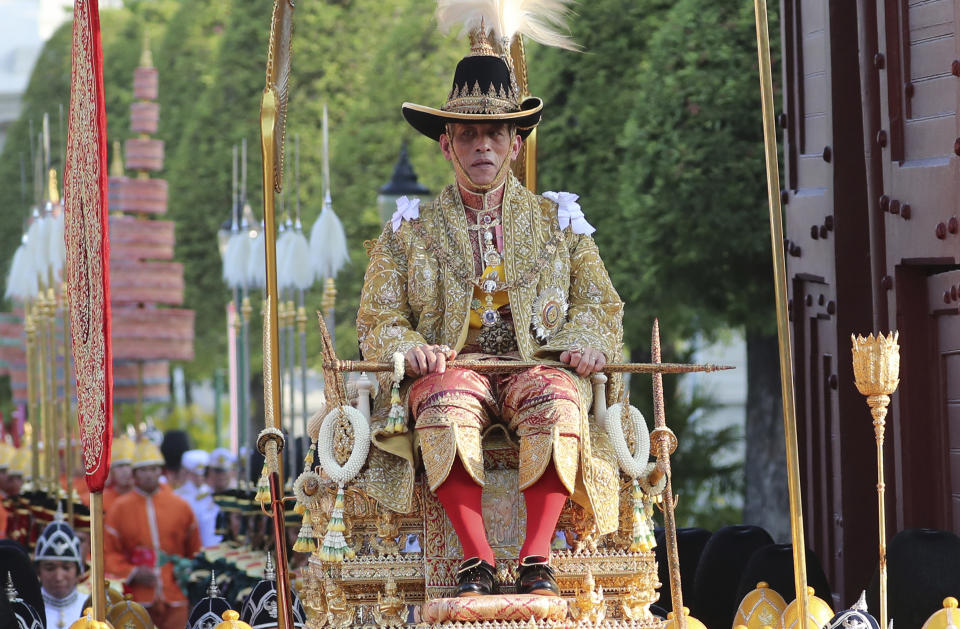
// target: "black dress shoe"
[[536, 577], [476, 577]]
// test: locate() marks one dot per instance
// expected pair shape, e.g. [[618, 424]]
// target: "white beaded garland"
[[358, 454], [633, 465]]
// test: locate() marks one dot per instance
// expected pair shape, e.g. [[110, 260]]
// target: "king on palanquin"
[[490, 269]]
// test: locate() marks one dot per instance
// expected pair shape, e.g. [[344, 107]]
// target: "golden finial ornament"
[[691, 622], [876, 370]]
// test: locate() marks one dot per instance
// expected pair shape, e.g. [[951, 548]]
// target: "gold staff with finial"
[[783, 323], [273, 118], [876, 369], [664, 443]]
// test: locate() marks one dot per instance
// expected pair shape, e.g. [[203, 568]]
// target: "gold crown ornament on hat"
[[485, 86], [122, 450], [146, 454]]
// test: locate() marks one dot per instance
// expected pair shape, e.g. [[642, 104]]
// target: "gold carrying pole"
[[97, 567], [507, 366], [665, 443], [783, 324], [876, 369]]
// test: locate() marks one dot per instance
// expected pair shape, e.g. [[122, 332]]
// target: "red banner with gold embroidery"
[[87, 270]]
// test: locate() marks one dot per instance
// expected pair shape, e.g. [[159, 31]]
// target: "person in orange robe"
[[141, 525], [121, 476]]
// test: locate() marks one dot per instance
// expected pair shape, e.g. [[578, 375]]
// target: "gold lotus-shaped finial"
[[876, 363]]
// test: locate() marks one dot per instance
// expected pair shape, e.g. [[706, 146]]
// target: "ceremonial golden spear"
[[273, 118], [783, 323]]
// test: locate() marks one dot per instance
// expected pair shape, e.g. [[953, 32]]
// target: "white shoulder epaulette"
[[569, 212]]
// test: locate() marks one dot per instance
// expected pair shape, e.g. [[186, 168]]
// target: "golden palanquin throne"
[[418, 554]]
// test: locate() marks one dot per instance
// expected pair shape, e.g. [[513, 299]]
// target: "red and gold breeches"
[[542, 405]]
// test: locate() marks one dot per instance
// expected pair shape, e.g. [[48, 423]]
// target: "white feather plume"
[[22, 278], [38, 244], [543, 21], [328, 243], [235, 259], [58, 250], [296, 262], [257, 262]]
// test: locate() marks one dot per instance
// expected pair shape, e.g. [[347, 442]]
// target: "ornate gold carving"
[[391, 610], [589, 605], [388, 529], [339, 611]]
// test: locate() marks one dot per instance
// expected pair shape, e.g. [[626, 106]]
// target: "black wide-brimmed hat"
[[484, 90]]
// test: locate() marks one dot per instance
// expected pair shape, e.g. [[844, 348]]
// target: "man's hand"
[[425, 359], [143, 575], [587, 360]]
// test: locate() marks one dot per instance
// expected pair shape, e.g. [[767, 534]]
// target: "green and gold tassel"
[[642, 538], [335, 547], [306, 540], [396, 419]]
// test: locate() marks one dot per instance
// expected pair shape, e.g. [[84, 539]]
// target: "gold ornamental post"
[[783, 323], [876, 369], [273, 118], [663, 443]]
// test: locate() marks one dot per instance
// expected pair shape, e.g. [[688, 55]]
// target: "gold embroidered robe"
[[410, 298]]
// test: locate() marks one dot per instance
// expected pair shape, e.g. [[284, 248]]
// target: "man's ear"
[[445, 147], [517, 143]]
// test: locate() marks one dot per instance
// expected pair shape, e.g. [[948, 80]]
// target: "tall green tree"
[[659, 131]]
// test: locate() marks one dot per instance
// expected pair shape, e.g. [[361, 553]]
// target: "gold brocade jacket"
[[410, 297]]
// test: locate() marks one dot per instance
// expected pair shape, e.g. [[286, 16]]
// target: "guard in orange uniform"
[[141, 526], [121, 476]]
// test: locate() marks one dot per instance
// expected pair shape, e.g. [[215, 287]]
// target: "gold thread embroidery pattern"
[[83, 232]]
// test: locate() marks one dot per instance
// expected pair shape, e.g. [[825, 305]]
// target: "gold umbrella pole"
[[783, 323], [876, 369], [525, 167], [43, 429], [30, 330], [53, 460], [664, 443], [65, 407]]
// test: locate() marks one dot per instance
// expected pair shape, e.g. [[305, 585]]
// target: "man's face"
[[122, 477], [218, 479], [14, 484], [481, 149], [59, 578], [147, 479]]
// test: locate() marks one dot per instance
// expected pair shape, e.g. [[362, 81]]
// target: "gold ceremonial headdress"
[[122, 451], [145, 454], [485, 85]]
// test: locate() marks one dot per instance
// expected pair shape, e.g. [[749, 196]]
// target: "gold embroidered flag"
[[87, 269]]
